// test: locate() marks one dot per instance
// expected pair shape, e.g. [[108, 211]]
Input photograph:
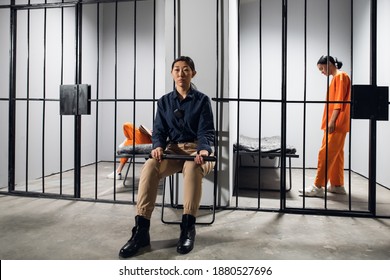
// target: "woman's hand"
[[331, 127], [199, 157], [157, 153], [332, 122]]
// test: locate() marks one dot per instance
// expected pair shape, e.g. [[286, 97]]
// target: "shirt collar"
[[190, 94]]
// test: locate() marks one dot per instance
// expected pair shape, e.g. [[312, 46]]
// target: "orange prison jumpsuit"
[[339, 90], [140, 138]]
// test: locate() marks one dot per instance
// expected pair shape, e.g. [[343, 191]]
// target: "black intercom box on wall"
[[370, 102], [75, 99]]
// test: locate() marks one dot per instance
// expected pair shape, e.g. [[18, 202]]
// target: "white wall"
[[360, 128], [38, 76], [4, 93], [383, 135], [361, 75], [125, 69]]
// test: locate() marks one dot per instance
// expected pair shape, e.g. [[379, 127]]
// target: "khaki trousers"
[[335, 163], [153, 171]]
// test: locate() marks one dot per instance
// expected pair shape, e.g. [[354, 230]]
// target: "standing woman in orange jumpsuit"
[[336, 125]]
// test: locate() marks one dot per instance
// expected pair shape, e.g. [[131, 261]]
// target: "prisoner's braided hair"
[[325, 58]]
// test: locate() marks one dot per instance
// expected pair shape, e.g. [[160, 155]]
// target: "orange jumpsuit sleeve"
[[339, 90]]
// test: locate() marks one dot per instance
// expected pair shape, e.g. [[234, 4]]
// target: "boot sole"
[[141, 249], [183, 252]]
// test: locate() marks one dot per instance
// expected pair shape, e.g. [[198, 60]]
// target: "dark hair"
[[187, 60], [324, 60]]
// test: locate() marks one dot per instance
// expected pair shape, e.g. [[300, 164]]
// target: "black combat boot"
[[140, 238], [187, 234]]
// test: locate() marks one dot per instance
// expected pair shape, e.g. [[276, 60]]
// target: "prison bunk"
[[132, 152], [248, 150]]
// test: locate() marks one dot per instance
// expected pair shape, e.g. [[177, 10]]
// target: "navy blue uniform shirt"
[[188, 120]]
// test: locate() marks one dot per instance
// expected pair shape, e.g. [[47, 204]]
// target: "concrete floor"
[[108, 189], [46, 229]]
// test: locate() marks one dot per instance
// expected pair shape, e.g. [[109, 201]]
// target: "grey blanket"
[[268, 145]]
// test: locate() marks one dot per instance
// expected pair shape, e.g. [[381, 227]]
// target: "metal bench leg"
[[127, 171], [289, 171]]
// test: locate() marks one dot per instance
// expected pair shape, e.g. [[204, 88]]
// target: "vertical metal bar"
[[174, 28], [350, 126], [260, 103], [217, 26], [115, 92], [77, 118], [327, 106], [178, 27], [44, 96], [12, 102], [28, 100], [62, 82], [304, 100], [154, 67], [77, 159], [373, 124], [154, 60], [237, 177], [154, 57], [283, 108], [134, 86], [97, 96], [176, 32]]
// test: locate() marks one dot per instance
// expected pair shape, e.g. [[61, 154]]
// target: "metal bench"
[[241, 153]]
